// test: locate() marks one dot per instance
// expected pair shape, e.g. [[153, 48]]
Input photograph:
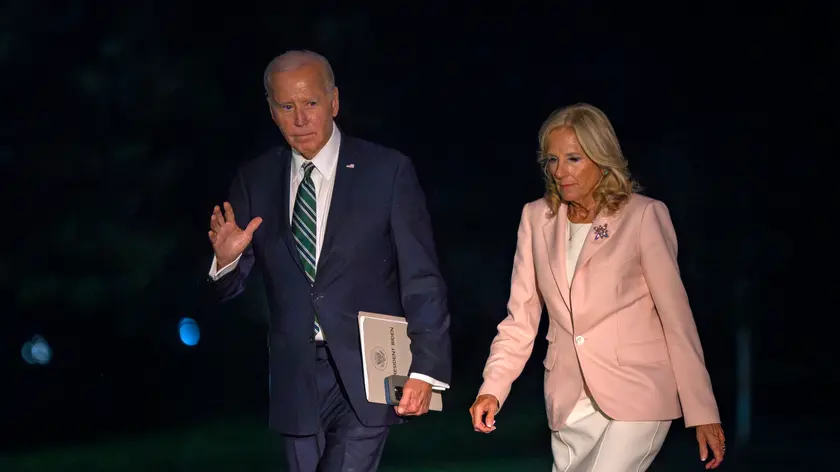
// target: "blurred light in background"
[[188, 330], [36, 351]]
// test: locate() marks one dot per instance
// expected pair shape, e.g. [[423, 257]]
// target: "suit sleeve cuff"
[[436, 385], [216, 275]]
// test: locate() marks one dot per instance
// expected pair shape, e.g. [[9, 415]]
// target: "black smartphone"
[[394, 388]]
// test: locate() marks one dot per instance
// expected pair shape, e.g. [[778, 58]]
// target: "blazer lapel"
[[284, 227], [603, 228], [554, 232], [341, 205]]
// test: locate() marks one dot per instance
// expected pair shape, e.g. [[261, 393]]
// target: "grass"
[[435, 443], [432, 443]]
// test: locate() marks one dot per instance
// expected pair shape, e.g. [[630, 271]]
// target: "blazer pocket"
[[548, 362], [648, 352], [550, 354]]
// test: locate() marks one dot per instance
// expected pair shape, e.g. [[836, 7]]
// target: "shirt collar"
[[326, 159]]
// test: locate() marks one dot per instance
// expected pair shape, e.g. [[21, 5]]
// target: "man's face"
[[302, 108]]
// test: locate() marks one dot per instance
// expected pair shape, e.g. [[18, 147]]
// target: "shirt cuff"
[[216, 275], [439, 386]]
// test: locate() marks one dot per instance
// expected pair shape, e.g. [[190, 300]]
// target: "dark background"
[[123, 124]]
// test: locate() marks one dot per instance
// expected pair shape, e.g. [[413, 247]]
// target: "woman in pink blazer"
[[624, 357]]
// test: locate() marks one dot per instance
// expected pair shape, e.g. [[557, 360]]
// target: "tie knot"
[[308, 167]]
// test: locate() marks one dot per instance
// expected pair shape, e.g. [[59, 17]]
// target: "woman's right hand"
[[228, 239], [483, 413]]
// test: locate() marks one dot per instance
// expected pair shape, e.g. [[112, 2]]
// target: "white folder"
[[386, 351]]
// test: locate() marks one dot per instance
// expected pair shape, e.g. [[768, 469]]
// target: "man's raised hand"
[[228, 239]]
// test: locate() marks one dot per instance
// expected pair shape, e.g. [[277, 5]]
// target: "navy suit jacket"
[[378, 255]]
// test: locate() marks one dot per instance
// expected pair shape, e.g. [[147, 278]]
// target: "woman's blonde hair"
[[597, 138]]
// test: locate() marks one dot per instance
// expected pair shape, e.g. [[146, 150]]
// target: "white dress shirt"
[[323, 178]]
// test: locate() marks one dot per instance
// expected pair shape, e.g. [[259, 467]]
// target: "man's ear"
[[334, 102]]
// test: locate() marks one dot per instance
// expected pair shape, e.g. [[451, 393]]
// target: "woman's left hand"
[[710, 436]]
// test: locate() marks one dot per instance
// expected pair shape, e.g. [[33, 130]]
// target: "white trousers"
[[591, 442]]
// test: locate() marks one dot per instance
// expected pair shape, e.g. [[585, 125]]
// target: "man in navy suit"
[[337, 225]]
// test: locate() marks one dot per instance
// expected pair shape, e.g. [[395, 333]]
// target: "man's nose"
[[300, 118]]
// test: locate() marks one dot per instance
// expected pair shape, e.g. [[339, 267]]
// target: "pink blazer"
[[634, 337]]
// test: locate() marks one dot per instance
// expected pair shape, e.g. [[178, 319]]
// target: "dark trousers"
[[344, 444]]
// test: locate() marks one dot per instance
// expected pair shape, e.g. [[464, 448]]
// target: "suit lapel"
[[601, 226], [554, 232], [341, 204], [284, 227]]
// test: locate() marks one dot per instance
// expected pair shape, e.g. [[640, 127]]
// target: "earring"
[[606, 171]]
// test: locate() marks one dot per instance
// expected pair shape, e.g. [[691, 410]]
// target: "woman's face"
[[576, 175]]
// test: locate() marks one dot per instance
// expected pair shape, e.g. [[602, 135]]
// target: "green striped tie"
[[303, 226]]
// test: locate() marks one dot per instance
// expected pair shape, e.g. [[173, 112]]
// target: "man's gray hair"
[[295, 59]]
